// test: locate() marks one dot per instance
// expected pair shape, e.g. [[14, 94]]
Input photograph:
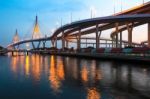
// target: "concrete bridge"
[[75, 32]]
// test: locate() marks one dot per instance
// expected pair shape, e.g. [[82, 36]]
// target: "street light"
[[71, 17], [143, 1], [114, 7], [61, 23], [121, 5], [93, 11]]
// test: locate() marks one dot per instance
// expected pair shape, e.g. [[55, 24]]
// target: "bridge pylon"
[[36, 31], [16, 38]]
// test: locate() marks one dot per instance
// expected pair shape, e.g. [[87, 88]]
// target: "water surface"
[[56, 77]]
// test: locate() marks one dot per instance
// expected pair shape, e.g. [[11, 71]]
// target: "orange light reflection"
[[14, 63], [36, 66], [56, 74], [27, 65], [93, 94], [55, 83], [84, 74]]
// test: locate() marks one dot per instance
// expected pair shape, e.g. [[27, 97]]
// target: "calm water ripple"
[[56, 77]]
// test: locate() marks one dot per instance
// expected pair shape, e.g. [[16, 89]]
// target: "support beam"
[[98, 34], [97, 37], [53, 42], [39, 44], [79, 40], [130, 37], [44, 44], [67, 43], [112, 42], [130, 29], [33, 46], [117, 31], [121, 39], [86, 43], [12, 53], [56, 41], [117, 40], [106, 43], [149, 34], [63, 41]]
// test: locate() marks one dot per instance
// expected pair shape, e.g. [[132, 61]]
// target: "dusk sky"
[[20, 14]]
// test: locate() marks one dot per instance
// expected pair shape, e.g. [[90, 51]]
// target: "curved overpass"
[[122, 19], [77, 27]]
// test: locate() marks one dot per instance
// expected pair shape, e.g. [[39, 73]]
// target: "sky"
[[20, 14]]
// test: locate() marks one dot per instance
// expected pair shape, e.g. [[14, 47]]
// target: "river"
[[57, 77]]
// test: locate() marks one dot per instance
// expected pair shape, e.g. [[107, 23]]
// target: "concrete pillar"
[[12, 53], [106, 43], [97, 37], [112, 42], [98, 34], [130, 28], [86, 42], [63, 41], [67, 43], [53, 43], [148, 34], [116, 40], [79, 40], [56, 41], [130, 37], [117, 31], [121, 39]]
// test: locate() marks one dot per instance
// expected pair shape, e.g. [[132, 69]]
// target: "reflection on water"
[[27, 66], [14, 64], [56, 74], [93, 94], [84, 74], [72, 78], [36, 64]]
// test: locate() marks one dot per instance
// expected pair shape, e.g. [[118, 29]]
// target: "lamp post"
[[61, 23], [91, 12], [114, 7], [71, 17], [121, 4]]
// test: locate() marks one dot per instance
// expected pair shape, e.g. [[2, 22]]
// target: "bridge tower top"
[[16, 37], [36, 31]]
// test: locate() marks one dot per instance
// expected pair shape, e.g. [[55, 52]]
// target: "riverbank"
[[116, 57]]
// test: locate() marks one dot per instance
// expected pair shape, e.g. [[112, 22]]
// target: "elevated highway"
[[125, 20]]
